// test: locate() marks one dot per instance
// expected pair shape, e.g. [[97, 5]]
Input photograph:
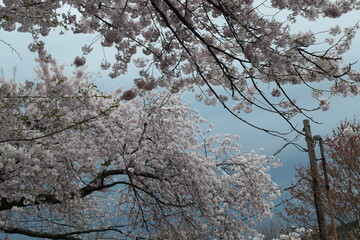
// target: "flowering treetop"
[[75, 160], [179, 44]]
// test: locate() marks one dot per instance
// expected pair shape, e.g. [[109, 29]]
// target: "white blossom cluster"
[[205, 43], [293, 235], [75, 159]]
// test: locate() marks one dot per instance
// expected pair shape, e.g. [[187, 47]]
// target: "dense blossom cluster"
[[74, 159], [296, 234], [208, 44]]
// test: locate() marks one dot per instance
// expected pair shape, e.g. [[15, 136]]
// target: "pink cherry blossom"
[[79, 160], [205, 43], [76, 160]]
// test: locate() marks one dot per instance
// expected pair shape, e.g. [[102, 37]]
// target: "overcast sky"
[[65, 48]]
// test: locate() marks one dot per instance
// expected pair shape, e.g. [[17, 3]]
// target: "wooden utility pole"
[[319, 204], [327, 185]]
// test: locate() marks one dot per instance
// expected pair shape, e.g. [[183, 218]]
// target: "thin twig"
[[12, 49]]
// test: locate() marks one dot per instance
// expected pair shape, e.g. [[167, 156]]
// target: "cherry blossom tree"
[[233, 53], [343, 148], [75, 160]]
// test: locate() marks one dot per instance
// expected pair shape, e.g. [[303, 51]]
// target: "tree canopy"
[[75, 160], [137, 161], [236, 55]]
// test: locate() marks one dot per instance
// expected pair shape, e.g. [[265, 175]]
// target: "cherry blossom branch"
[[57, 236], [12, 49], [30, 233], [271, 132], [97, 184]]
